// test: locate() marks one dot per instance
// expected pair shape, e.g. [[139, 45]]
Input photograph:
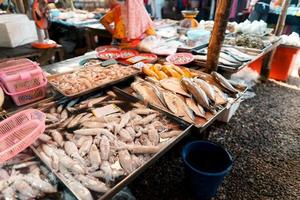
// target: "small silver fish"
[[224, 82], [197, 92]]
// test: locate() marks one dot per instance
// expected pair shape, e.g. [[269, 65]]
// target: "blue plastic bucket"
[[206, 164]]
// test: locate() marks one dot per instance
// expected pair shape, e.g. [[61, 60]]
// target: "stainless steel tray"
[[201, 123], [108, 195], [90, 89]]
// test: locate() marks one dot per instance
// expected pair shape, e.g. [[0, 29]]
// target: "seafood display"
[[23, 177], [159, 72], [229, 56], [196, 100], [109, 54], [180, 58], [127, 53], [87, 78], [248, 41], [95, 143]]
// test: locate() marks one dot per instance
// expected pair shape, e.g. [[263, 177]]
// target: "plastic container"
[[206, 165], [20, 131], [283, 62], [23, 80], [229, 112], [198, 35]]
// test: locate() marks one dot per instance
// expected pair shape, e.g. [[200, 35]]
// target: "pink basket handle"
[[17, 93]]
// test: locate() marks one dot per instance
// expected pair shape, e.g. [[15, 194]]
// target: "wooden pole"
[[266, 68], [282, 17], [218, 34]]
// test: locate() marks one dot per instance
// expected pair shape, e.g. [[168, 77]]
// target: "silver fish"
[[197, 92], [224, 82], [210, 92]]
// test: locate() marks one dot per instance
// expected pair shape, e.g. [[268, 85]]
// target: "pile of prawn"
[[90, 77]]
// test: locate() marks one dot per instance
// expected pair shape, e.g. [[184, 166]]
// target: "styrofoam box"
[[16, 30], [229, 112]]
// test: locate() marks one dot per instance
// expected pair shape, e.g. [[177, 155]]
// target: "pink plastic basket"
[[23, 80], [20, 131]]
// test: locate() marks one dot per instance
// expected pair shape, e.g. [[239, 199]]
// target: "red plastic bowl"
[[180, 58], [109, 54], [128, 53]]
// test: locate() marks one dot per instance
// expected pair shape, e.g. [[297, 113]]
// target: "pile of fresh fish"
[[89, 77], [24, 178], [229, 56], [95, 143], [188, 98]]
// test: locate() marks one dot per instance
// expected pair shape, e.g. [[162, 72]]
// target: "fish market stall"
[[240, 51], [97, 140]]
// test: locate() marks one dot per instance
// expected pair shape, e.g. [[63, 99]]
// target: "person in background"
[[157, 6], [259, 10], [148, 6], [131, 21]]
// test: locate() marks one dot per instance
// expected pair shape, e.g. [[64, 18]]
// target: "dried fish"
[[177, 106], [173, 85], [197, 109], [146, 93], [197, 92], [224, 82], [210, 92]]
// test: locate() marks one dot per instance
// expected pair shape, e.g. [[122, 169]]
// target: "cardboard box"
[[16, 30]]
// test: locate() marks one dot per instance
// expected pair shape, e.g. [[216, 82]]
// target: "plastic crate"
[[23, 80]]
